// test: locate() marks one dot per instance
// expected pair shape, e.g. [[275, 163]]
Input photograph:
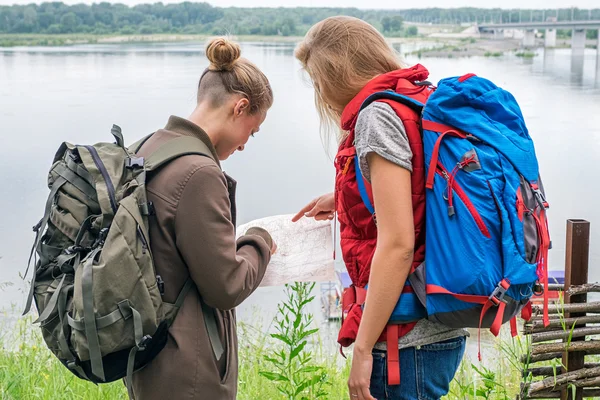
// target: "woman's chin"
[[224, 156]]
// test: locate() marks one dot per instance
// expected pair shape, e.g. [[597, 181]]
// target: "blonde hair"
[[341, 54], [229, 73]]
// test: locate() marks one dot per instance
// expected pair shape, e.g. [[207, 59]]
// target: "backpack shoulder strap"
[[362, 186], [138, 145], [411, 103], [176, 148]]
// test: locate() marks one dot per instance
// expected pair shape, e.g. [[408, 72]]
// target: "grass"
[[493, 54], [500, 382], [526, 54], [254, 346], [13, 40], [29, 371]]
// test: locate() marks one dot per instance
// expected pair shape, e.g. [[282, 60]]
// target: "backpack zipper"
[[465, 199], [104, 172]]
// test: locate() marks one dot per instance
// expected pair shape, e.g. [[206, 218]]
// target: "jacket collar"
[[395, 80], [186, 127]]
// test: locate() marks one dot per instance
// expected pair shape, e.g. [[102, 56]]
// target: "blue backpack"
[[486, 229]]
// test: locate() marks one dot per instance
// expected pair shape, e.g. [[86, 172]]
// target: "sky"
[[380, 4]]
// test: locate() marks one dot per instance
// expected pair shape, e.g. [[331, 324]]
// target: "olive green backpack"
[[95, 286]]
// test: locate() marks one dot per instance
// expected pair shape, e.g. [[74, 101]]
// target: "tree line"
[[202, 18]]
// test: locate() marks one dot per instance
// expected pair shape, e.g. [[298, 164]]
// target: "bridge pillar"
[[577, 55], [578, 39], [550, 38], [598, 55], [529, 38], [577, 63]]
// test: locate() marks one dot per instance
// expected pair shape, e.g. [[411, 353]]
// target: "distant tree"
[[45, 19], [127, 30], [55, 29], [69, 22], [30, 18], [412, 31], [392, 24]]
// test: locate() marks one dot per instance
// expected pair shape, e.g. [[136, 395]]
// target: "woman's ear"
[[242, 105]]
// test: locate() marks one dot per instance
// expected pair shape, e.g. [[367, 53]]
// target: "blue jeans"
[[425, 372]]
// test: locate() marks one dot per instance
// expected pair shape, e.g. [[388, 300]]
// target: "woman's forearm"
[[389, 271]]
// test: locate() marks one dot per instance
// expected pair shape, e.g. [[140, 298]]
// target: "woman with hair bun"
[[192, 233]]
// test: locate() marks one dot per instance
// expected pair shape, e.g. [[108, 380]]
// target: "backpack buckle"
[[101, 238], [499, 293], [147, 209], [134, 162], [74, 249], [37, 226], [540, 198], [161, 285], [144, 342], [74, 154]]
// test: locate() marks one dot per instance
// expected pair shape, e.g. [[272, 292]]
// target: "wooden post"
[[576, 273]]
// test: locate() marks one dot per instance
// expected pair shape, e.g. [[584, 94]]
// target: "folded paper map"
[[304, 249]]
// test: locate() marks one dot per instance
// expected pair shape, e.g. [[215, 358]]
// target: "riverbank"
[[470, 47], [14, 40], [439, 47], [11, 40], [429, 47]]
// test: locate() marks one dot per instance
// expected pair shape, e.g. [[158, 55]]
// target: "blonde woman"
[[347, 61], [193, 233]]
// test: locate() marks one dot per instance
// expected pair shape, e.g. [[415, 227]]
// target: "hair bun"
[[222, 54]]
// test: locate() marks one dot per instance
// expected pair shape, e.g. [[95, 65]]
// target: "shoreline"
[[442, 47], [73, 38]]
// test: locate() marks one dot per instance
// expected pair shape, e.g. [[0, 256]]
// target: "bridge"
[[543, 25], [578, 36]]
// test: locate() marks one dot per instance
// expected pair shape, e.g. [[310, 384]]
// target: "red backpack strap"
[[393, 354], [513, 327], [352, 300], [527, 311], [392, 334]]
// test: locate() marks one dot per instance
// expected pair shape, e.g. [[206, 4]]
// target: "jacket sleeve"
[[226, 272]]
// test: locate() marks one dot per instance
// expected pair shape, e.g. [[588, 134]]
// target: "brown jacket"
[[193, 234]]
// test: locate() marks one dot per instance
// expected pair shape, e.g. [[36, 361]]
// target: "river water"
[[48, 95]]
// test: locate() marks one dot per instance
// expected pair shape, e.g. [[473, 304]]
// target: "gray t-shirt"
[[380, 130]]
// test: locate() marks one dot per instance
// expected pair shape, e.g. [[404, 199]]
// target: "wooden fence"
[[569, 338]]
